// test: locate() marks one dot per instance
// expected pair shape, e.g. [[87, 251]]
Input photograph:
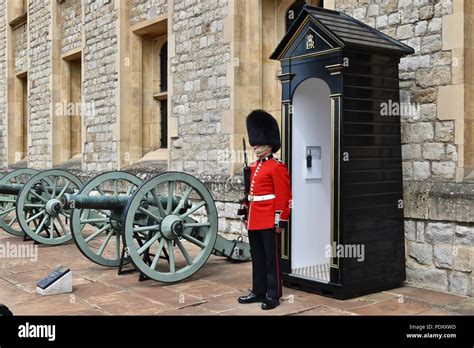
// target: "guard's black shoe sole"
[[252, 298], [270, 304]]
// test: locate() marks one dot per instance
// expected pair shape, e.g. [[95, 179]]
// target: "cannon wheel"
[[8, 215], [184, 238], [93, 229], [38, 207]]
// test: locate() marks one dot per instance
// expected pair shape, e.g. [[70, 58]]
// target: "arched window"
[[164, 68], [164, 102]]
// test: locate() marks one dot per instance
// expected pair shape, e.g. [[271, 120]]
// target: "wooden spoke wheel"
[[97, 231], [39, 209], [8, 217], [170, 227]]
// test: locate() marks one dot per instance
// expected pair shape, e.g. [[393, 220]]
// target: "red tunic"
[[269, 176]]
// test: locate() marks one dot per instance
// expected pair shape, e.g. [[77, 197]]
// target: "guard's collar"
[[264, 159]]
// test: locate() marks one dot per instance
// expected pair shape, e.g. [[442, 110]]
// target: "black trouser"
[[265, 251]]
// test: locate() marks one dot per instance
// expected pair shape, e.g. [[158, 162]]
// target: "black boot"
[[270, 303], [4, 311], [251, 298]]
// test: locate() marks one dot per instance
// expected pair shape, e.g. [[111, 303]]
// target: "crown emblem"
[[310, 42]]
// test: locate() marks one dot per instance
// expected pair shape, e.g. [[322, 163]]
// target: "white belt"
[[261, 198]]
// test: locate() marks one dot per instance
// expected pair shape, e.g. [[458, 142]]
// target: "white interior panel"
[[311, 130]]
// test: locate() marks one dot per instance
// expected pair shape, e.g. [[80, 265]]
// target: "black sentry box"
[[341, 141]]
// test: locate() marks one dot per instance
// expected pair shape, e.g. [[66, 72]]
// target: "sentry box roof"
[[340, 30]]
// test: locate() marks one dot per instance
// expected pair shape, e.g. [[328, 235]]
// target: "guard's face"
[[262, 150]]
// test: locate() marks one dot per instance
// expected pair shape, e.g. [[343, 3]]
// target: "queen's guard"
[[266, 208]]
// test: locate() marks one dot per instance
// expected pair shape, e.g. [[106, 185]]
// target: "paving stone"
[[63, 304], [393, 307], [213, 273], [224, 303], [125, 303], [74, 265], [465, 307], [27, 266], [426, 295], [90, 312], [437, 312], [166, 296], [323, 310], [202, 289], [335, 303], [285, 308], [243, 282], [98, 273], [91, 289], [25, 280], [193, 310], [124, 280], [11, 295]]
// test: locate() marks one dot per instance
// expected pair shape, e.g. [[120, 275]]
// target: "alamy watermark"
[[28, 330], [400, 109], [349, 251], [75, 109], [235, 156], [19, 251]]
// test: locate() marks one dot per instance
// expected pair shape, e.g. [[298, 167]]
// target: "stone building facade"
[[166, 85]]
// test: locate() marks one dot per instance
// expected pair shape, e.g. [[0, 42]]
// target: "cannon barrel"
[[49, 190], [10, 189], [94, 202], [112, 202]]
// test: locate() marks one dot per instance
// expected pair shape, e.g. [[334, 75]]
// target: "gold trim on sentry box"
[[285, 116], [293, 38], [315, 54], [335, 117]]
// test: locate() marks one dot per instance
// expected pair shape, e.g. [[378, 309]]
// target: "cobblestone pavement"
[[212, 291]]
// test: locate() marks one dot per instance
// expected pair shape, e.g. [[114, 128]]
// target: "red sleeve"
[[281, 183]]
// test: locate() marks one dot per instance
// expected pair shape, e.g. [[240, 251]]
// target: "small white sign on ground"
[[57, 282]]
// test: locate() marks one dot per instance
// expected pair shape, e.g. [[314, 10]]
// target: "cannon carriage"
[[165, 227]]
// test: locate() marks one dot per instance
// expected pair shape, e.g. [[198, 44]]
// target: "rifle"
[[243, 211]]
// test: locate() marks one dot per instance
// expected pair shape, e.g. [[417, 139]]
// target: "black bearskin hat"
[[263, 129]]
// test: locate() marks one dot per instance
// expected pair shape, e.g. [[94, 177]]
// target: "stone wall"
[[429, 151], [440, 255], [200, 91], [439, 233], [227, 192], [71, 25], [141, 10], [39, 74], [3, 84], [100, 84]]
